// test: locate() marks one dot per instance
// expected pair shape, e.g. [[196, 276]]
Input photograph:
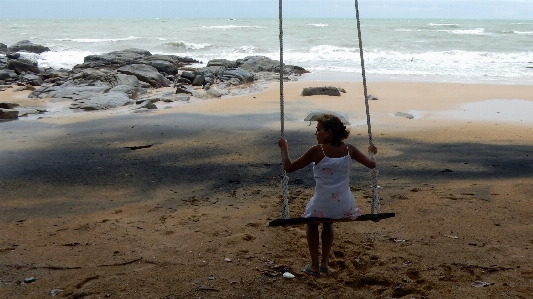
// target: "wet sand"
[[186, 216]]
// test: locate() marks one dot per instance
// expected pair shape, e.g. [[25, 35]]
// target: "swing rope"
[[285, 214], [375, 206]]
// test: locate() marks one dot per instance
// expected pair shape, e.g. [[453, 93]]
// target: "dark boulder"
[[264, 64], [8, 113], [3, 62], [8, 105], [32, 79], [188, 75], [3, 48], [22, 65], [242, 76], [13, 55], [113, 60], [224, 63], [164, 66], [27, 46], [145, 73], [326, 90], [199, 80], [4, 75]]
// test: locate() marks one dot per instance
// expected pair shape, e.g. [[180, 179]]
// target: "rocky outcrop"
[[121, 78], [167, 64], [27, 46], [232, 73]]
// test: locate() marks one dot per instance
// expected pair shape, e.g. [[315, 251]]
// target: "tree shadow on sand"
[[214, 154]]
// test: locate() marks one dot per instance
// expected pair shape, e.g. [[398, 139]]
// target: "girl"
[[331, 159]]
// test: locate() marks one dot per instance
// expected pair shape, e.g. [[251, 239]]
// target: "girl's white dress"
[[332, 198]]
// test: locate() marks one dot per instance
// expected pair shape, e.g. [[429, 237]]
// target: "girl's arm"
[[290, 166], [358, 156]]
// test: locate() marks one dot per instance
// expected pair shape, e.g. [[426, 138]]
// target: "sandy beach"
[[186, 215]]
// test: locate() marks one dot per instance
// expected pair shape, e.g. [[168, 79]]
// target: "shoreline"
[[443, 101]]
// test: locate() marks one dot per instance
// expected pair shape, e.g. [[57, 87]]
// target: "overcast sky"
[[445, 9]]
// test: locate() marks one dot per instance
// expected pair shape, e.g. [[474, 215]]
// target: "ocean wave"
[[445, 25], [62, 59], [318, 25], [224, 27], [524, 32], [329, 49], [96, 40], [188, 46], [477, 31]]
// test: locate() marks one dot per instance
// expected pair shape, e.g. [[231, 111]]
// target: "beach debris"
[[371, 98], [138, 147], [201, 288], [480, 284], [288, 275], [397, 240], [55, 292], [404, 114], [30, 279], [452, 237], [446, 170], [269, 272], [212, 277], [227, 260]]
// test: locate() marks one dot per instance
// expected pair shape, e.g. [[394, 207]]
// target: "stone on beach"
[[9, 113], [325, 90], [404, 114]]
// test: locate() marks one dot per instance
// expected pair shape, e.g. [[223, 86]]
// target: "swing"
[[285, 219]]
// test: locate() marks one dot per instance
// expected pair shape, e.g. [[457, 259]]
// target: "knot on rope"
[[285, 214]]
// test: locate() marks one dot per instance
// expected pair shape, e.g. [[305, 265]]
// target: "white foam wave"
[[444, 24], [62, 59], [318, 25], [189, 46], [97, 40], [224, 27], [524, 32], [477, 31]]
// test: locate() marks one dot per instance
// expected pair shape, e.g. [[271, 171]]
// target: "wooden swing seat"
[[315, 220]]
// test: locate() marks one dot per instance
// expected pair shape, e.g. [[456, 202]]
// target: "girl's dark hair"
[[333, 123]]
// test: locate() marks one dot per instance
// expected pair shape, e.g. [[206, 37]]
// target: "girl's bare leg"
[[327, 243], [313, 242]]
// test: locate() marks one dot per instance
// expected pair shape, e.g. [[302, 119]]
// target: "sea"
[[479, 51]]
